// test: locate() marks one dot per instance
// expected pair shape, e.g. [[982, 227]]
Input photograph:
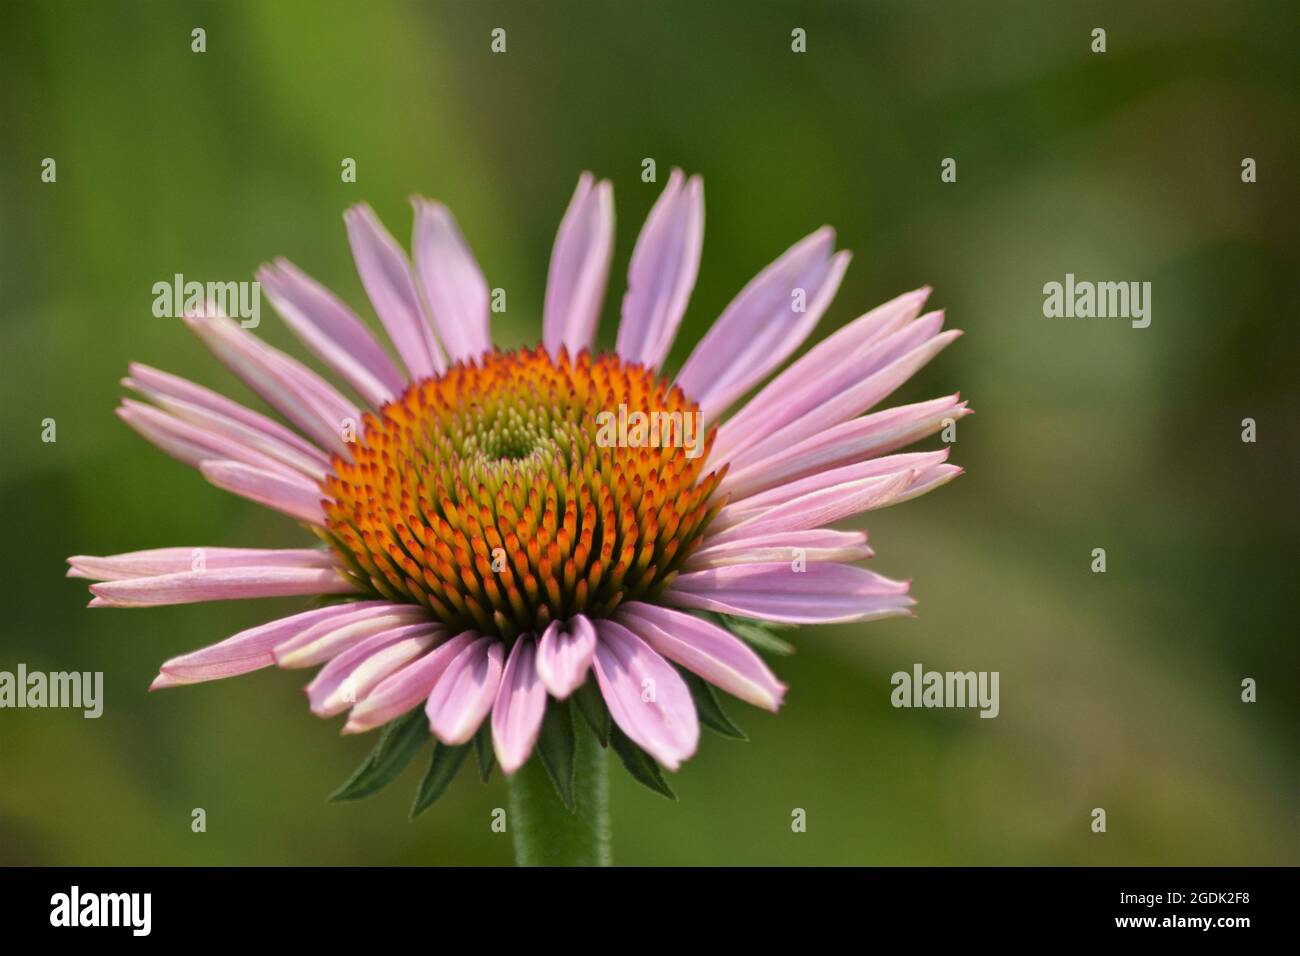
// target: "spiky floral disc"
[[485, 495]]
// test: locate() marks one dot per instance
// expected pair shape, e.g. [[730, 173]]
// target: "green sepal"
[[398, 742], [592, 707], [709, 708], [483, 752], [759, 634], [639, 764], [443, 767], [555, 746]]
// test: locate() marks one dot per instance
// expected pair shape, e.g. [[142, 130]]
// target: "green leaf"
[[483, 751], [398, 742], [639, 764], [442, 771], [757, 633], [555, 746], [709, 708], [592, 707]]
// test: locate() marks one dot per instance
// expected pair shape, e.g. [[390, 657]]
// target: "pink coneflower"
[[488, 558]]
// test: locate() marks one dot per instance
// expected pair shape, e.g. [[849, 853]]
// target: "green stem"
[[545, 832]]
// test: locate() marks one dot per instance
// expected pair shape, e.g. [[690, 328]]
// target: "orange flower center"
[[520, 489]]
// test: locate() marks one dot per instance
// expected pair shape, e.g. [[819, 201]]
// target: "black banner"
[[343, 906]]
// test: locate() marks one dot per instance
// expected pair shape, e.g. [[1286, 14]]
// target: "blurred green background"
[[1119, 690]]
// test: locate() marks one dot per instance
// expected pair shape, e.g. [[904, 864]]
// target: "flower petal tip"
[[777, 698]]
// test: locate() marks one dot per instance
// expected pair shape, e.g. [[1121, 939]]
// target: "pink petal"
[[760, 329], [229, 438], [820, 594], [822, 507], [248, 650], [144, 564], [719, 657], [190, 443], [519, 707], [928, 480], [739, 509], [328, 639], [579, 271], [286, 384], [453, 284], [401, 691], [386, 275], [647, 698], [219, 584], [465, 692], [852, 441], [564, 655], [778, 577], [759, 417], [838, 407], [818, 544], [297, 498], [662, 272], [864, 378], [154, 383], [333, 331], [794, 608], [352, 674]]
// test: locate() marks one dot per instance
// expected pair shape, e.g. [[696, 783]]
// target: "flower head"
[[505, 530]]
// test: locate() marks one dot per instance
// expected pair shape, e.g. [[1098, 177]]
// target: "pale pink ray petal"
[[789, 396], [928, 480], [661, 275], [646, 697], [293, 496], [401, 691], [286, 384], [519, 708], [144, 564], [852, 441], [564, 655], [249, 650], [353, 673], [763, 325], [740, 509], [794, 607], [817, 544], [321, 642], [854, 399], [779, 577], [859, 367], [193, 444], [739, 430], [820, 593], [243, 436], [386, 275], [333, 331], [579, 270], [219, 584], [465, 692], [453, 283], [820, 508], [719, 657], [155, 383]]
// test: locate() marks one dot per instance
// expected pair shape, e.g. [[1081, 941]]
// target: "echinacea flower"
[[487, 554]]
